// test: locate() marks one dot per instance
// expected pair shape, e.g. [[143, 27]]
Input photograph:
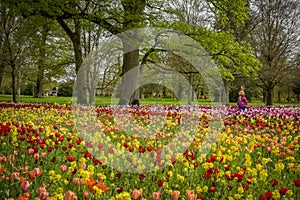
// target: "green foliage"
[[229, 14], [231, 56], [66, 89]]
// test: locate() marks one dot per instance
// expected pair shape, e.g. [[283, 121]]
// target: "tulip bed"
[[45, 153]]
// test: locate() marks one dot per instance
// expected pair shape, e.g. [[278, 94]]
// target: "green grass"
[[107, 101]]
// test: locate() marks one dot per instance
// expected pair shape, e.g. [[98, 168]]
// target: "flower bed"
[[55, 152]]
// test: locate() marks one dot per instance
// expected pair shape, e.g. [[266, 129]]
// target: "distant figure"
[[242, 100]]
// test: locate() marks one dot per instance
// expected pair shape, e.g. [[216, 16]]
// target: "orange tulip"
[[31, 175], [175, 195], [190, 194], [102, 187], [22, 179], [90, 183], [25, 196], [136, 194]]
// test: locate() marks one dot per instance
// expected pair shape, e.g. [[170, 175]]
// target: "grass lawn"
[[102, 101]]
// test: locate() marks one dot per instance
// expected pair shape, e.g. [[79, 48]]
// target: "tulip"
[[160, 183], [36, 156], [70, 195], [155, 195], [43, 194], [175, 194], [63, 168], [136, 194], [30, 151], [297, 182], [190, 194], [282, 191], [85, 194], [44, 155], [25, 185], [76, 181]]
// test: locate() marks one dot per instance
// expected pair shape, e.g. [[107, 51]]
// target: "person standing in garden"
[[242, 100]]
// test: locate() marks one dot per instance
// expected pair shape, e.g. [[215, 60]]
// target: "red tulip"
[[149, 148], [213, 158], [70, 158], [22, 137], [131, 149], [142, 176], [125, 144], [282, 191], [120, 189], [160, 183], [207, 175], [274, 182], [297, 182], [212, 189]]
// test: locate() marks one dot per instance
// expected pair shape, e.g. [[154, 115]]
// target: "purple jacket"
[[242, 101]]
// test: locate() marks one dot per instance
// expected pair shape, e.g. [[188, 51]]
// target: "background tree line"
[[254, 43]]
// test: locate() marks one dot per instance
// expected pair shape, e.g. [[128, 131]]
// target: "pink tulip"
[[44, 155], [25, 185], [155, 195], [76, 181], [85, 194], [70, 195], [175, 195], [36, 156], [3, 159], [43, 194], [36, 171], [63, 168], [15, 175], [30, 151]]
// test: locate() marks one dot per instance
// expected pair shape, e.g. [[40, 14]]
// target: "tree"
[[274, 39], [233, 17], [216, 33], [112, 16], [15, 36]]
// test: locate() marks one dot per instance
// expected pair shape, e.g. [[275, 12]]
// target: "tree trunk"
[[19, 84], [269, 97], [81, 83], [92, 97], [190, 90], [226, 92], [75, 38], [279, 96], [13, 79], [39, 86], [41, 62], [179, 91], [133, 11], [2, 66], [130, 81]]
